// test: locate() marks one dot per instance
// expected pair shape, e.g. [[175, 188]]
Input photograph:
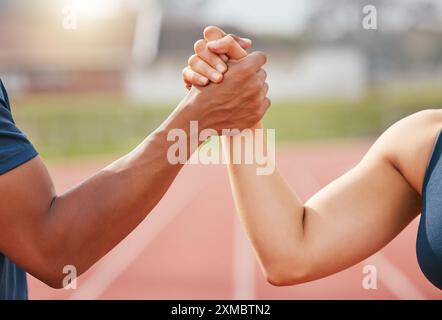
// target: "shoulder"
[[407, 144]]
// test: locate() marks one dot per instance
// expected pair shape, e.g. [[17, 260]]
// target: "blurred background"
[[89, 79]]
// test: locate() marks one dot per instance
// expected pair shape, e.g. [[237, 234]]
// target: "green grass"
[[77, 126], [99, 125], [332, 118]]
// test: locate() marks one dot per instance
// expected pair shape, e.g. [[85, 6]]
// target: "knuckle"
[[256, 86], [208, 30], [262, 57], [255, 105], [192, 60], [258, 111], [199, 46], [194, 77], [267, 103], [214, 60], [258, 59], [251, 93], [255, 91], [263, 73], [262, 109], [229, 39], [264, 89], [257, 115], [184, 72]]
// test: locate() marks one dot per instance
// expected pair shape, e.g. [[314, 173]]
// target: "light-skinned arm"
[[349, 219]]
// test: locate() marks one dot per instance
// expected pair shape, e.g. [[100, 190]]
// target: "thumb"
[[220, 43], [243, 42]]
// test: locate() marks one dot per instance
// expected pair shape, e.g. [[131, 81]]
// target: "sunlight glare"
[[95, 9]]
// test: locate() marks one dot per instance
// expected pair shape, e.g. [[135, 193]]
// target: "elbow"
[[62, 276], [285, 274], [56, 272], [50, 274], [284, 279], [53, 257], [54, 281]]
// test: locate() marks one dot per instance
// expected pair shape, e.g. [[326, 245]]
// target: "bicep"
[[27, 192], [356, 215]]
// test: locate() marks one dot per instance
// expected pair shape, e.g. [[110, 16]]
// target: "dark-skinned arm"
[[43, 232]]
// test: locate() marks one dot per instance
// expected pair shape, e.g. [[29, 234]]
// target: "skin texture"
[[349, 219], [214, 65], [203, 63], [43, 232]]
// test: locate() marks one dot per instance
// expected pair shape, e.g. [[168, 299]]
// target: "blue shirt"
[[15, 149]]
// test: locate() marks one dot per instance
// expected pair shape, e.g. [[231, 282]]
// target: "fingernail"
[[212, 44], [202, 80], [216, 76], [247, 40], [224, 57], [221, 68]]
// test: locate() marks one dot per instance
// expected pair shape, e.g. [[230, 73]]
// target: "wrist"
[[183, 122], [194, 109], [258, 125]]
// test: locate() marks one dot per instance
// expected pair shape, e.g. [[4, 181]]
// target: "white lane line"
[[394, 279], [243, 255], [243, 265], [123, 255], [391, 276]]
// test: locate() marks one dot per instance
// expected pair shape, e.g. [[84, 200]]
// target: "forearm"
[[270, 210], [351, 218], [90, 219]]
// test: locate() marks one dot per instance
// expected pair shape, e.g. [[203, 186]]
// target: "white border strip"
[[243, 265]]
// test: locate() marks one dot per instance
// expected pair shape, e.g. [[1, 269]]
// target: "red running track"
[[191, 245]]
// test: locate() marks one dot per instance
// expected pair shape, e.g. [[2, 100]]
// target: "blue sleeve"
[[15, 148]]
